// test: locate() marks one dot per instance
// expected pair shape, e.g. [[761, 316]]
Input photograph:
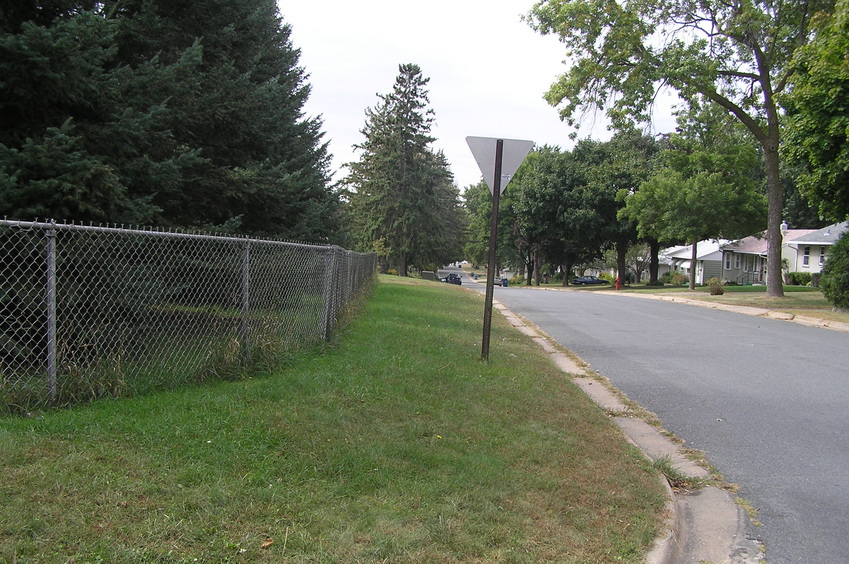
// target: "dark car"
[[587, 280], [453, 278]]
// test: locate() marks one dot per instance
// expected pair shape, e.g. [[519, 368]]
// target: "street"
[[766, 400]]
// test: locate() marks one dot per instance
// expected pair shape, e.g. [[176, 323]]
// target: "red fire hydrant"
[[618, 284]]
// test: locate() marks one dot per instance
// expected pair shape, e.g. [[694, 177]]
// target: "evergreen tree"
[[401, 192], [194, 108]]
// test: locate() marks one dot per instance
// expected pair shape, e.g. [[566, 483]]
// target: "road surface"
[[766, 400]]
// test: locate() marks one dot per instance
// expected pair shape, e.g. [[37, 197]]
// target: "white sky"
[[488, 71]]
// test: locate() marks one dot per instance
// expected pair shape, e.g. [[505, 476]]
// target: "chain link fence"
[[89, 312]]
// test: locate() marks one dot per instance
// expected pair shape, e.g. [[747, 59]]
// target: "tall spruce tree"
[[401, 193], [181, 113]]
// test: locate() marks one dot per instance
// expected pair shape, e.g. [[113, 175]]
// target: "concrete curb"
[[745, 310], [706, 525]]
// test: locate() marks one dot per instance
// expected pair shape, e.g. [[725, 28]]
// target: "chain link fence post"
[[246, 304], [50, 249], [328, 293]]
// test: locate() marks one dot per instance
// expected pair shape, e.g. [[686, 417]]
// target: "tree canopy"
[[401, 193], [735, 53], [818, 114], [707, 186], [176, 113], [560, 209]]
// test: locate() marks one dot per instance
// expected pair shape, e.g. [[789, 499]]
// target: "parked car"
[[453, 278], [587, 280]]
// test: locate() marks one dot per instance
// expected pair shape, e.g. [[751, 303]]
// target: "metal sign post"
[[508, 155], [490, 265]]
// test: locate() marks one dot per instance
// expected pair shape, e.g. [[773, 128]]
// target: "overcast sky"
[[488, 71]]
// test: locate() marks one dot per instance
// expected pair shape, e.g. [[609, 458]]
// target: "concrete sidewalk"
[[704, 525]]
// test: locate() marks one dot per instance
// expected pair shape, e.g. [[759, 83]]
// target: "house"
[[708, 259], [808, 252], [805, 250], [744, 261]]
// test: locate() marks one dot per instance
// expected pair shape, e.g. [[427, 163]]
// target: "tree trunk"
[[693, 256], [402, 264], [775, 194], [566, 269], [538, 266], [654, 262], [621, 266]]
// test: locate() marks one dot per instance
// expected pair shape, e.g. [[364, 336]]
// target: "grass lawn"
[[398, 444], [797, 300]]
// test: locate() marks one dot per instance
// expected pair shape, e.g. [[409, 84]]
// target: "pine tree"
[[401, 192], [192, 107]]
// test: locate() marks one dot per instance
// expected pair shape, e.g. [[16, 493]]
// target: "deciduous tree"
[[818, 114], [735, 53], [707, 187]]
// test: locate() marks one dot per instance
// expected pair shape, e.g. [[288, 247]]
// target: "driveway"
[[766, 400]]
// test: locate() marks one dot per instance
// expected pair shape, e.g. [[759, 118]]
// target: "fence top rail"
[[152, 232]]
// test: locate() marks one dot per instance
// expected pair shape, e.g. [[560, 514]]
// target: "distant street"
[[766, 400]]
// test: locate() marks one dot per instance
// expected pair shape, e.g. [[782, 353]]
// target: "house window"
[[737, 261], [822, 255], [727, 261], [806, 257]]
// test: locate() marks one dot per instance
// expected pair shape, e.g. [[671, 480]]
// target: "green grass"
[[797, 300], [397, 445]]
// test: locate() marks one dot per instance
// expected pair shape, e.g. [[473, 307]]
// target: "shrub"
[[392, 272], [679, 279], [516, 280], [670, 275], [799, 278], [716, 288], [834, 282]]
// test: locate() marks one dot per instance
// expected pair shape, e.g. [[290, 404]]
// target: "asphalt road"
[[766, 400]]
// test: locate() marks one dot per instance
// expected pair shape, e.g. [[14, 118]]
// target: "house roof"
[[826, 236], [703, 250], [757, 244]]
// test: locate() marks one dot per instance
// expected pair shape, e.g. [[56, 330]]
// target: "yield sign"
[[513, 153]]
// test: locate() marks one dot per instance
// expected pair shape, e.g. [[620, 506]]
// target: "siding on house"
[[808, 252], [708, 259], [712, 269]]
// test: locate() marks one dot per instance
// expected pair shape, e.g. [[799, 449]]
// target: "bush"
[[834, 282], [516, 280], [799, 278], [679, 279], [670, 275], [716, 288]]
